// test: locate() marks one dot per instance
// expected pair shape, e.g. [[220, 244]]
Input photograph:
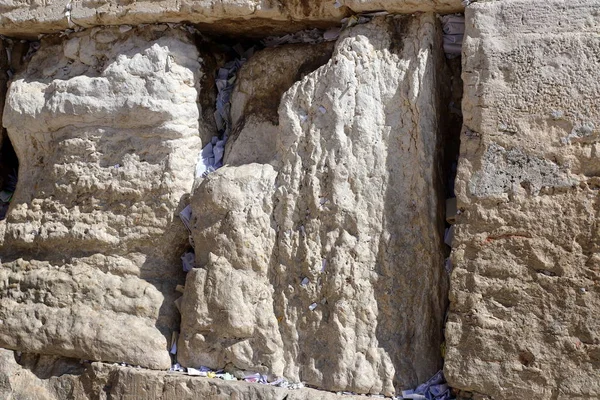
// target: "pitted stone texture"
[[227, 308], [503, 171], [525, 300], [105, 125], [46, 378], [80, 311], [353, 209], [255, 100], [43, 377], [253, 17]]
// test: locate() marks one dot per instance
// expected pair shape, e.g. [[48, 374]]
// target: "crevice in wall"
[[452, 119], [451, 139], [48, 366], [9, 170], [449, 162]]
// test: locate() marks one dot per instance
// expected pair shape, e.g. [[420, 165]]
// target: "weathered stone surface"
[[350, 202], [43, 378], [404, 6], [47, 378], [255, 100], [254, 17], [105, 125], [525, 300]]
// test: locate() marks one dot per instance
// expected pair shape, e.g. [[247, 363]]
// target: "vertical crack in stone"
[[9, 163]]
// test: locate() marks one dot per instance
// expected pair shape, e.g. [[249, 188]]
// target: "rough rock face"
[[525, 300], [105, 124], [46, 378], [227, 308], [254, 17], [255, 99], [38, 377], [349, 201]]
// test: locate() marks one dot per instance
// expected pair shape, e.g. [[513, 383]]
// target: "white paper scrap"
[[196, 372], [188, 260], [186, 216]]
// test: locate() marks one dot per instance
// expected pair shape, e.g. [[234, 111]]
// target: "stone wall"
[[524, 294]]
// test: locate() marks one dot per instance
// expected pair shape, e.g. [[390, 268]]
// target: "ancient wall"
[[35, 377], [316, 253]]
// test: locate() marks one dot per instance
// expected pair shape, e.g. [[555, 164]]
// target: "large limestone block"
[[105, 125], [342, 235], [525, 301], [254, 17], [357, 205]]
